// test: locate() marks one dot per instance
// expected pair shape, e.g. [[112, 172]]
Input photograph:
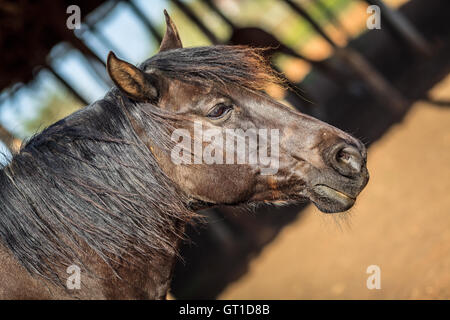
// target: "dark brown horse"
[[95, 205]]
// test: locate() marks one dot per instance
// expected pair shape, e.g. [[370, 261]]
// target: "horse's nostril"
[[347, 160]]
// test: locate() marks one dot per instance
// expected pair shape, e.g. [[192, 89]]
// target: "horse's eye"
[[219, 111]]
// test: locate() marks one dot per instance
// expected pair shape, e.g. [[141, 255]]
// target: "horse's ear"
[[130, 80], [171, 38]]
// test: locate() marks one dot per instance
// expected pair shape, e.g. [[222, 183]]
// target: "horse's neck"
[[128, 281], [150, 281], [153, 283]]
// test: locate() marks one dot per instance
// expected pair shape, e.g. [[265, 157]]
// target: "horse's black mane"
[[88, 180], [238, 65]]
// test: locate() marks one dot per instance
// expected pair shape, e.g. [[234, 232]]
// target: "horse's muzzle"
[[347, 176]]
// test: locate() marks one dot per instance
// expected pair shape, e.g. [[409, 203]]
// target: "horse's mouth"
[[330, 200]]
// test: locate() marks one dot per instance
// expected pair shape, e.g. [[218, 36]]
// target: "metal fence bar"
[[297, 8], [402, 27], [213, 7], [332, 17], [267, 40], [375, 82], [192, 16], [66, 84], [148, 24]]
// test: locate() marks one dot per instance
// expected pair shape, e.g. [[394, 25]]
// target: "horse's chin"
[[330, 200], [325, 198]]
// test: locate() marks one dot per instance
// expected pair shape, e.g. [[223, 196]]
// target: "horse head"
[[231, 144]]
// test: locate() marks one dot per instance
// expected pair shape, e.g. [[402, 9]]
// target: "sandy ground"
[[400, 223]]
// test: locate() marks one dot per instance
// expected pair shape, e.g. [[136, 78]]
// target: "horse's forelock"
[[235, 65]]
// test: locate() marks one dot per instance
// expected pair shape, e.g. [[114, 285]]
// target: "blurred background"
[[390, 87]]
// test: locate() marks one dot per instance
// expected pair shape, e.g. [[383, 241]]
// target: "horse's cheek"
[[219, 184]]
